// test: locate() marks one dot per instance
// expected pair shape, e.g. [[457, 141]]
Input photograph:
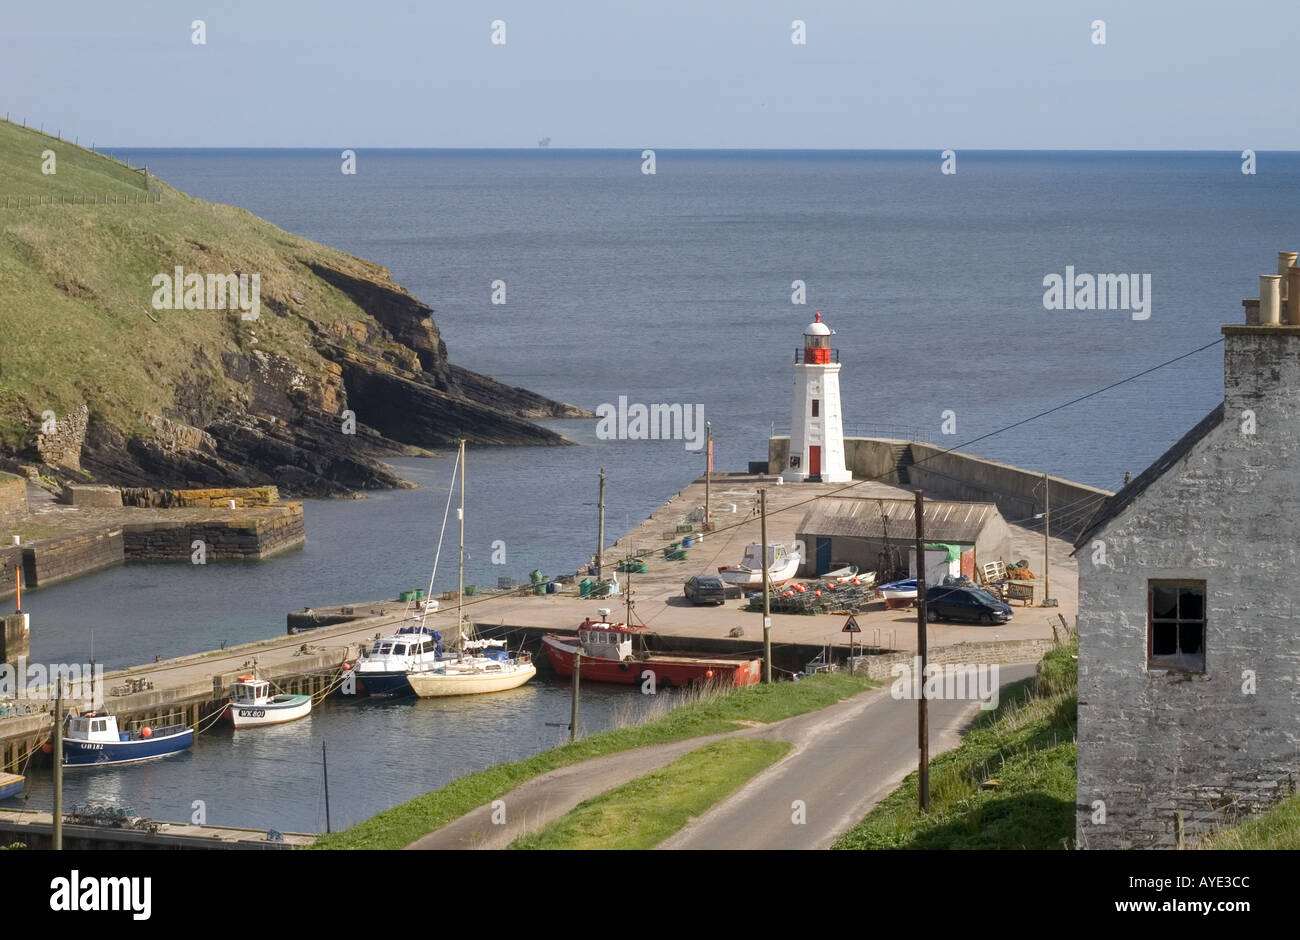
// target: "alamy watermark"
[[37, 681], [638, 422], [181, 291], [1098, 292], [955, 681]]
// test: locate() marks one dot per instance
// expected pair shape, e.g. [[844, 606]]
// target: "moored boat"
[[93, 740], [252, 705], [10, 785], [781, 567], [471, 665], [383, 670], [608, 656]]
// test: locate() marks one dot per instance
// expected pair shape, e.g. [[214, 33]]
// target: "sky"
[[873, 74]]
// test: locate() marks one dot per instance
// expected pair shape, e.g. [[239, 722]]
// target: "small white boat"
[[473, 675], [781, 567], [899, 593], [252, 705]]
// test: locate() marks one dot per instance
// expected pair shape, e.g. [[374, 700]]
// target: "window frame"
[[1179, 584]]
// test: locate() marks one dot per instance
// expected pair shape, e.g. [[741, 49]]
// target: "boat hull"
[[269, 713], [10, 785], [668, 670], [449, 682], [385, 684], [114, 753]]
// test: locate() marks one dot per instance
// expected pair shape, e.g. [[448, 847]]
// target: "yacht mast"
[[460, 578]]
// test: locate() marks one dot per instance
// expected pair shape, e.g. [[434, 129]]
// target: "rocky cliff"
[[335, 370]]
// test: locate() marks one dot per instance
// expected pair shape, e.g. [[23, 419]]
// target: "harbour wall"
[[942, 474]]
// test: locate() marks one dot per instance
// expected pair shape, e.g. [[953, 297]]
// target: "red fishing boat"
[[608, 655]]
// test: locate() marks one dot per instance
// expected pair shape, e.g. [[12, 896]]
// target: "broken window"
[[1176, 625]]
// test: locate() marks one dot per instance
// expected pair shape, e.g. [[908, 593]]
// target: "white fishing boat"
[[471, 665], [781, 567], [252, 704], [898, 593]]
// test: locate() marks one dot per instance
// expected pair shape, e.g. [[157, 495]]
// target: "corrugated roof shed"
[[874, 518]]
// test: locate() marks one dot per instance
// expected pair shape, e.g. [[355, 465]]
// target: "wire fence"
[[81, 199]]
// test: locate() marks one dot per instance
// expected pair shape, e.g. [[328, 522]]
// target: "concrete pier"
[[35, 830]]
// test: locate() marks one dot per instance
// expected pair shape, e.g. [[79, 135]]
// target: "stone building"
[[880, 535], [1189, 577]]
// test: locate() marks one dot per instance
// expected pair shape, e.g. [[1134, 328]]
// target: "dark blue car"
[[973, 604]]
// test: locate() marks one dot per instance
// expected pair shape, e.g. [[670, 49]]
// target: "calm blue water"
[[675, 288]]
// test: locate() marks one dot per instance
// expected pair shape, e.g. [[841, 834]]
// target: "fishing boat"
[[383, 670], [608, 655], [92, 739], [10, 785], [781, 566], [252, 705], [471, 665], [898, 593]]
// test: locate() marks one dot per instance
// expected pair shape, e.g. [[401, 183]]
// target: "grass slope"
[[76, 319], [1279, 828], [1027, 744], [400, 826], [642, 813]]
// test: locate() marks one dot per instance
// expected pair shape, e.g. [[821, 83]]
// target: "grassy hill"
[[77, 326]]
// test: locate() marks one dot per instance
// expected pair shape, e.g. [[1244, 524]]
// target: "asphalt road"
[[846, 759]]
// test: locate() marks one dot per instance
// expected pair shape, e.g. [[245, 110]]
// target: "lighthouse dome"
[[818, 328]]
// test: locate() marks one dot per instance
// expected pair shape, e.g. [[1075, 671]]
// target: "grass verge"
[[642, 813], [1026, 745], [714, 713], [1278, 828]]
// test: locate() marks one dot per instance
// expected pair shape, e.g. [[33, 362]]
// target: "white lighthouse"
[[817, 428]]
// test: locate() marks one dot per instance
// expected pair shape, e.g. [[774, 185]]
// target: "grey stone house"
[[1189, 577]]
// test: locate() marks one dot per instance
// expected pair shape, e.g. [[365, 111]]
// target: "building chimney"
[[1270, 300], [1291, 287]]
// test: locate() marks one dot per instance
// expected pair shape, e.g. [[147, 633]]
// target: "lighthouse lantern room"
[[817, 428]]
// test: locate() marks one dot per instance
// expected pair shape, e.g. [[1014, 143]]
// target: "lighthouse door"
[[815, 461]]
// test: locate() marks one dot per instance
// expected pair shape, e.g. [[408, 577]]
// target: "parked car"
[[705, 589], [947, 602]]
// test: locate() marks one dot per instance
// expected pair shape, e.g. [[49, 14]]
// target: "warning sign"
[[851, 626]]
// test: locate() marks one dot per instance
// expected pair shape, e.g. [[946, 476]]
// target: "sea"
[[690, 286]]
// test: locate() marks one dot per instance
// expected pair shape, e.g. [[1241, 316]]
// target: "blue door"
[[823, 555]]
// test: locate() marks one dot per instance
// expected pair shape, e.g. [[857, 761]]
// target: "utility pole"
[[708, 471], [325, 766], [58, 763], [767, 596], [922, 711], [1047, 531], [577, 680], [600, 530]]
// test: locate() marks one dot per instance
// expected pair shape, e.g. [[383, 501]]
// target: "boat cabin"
[[602, 639], [406, 644], [250, 691], [754, 555], [93, 726]]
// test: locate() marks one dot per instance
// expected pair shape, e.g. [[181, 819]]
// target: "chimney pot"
[[1270, 299]]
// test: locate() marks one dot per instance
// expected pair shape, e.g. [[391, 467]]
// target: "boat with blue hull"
[[93, 740], [383, 670], [10, 785]]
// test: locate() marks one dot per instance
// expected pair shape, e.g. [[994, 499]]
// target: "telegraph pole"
[[58, 762], [600, 530], [767, 596], [325, 768], [708, 470], [1047, 531], [577, 678], [922, 711]]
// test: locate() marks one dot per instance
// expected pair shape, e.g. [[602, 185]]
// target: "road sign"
[[851, 626]]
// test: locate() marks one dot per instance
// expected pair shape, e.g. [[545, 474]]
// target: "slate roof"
[[1162, 465], [863, 518]]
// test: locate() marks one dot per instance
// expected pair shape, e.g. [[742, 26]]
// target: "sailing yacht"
[[471, 665]]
